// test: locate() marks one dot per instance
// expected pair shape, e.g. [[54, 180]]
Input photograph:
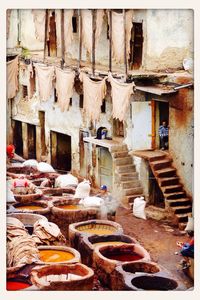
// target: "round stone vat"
[[87, 244], [37, 207], [28, 197], [63, 277], [20, 169], [58, 254], [28, 219], [148, 282], [107, 258], [37, 181], [67, 211], [124, 273], [58, 191], [91, 227]]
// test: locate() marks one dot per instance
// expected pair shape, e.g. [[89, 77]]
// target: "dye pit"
[[55, 255]]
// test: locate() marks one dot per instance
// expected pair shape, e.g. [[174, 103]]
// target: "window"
[[103, 106], [24, 91], [70, 101], [74, 24], [136, 46], [81, 101]]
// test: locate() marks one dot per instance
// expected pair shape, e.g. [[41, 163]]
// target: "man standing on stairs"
[[163, 133]]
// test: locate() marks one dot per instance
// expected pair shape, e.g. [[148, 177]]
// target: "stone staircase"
[[125, 175], [173, 191]]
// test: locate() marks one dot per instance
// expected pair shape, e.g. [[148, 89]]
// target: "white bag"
[[83, 189], [92, 201], [30, 163], [45, 168], [190, 224], [65, 180], [139, 208], [10, 196]]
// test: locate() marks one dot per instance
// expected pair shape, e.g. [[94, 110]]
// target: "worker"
[[10, 150], [110, 204], [163, 134], [187, 249]]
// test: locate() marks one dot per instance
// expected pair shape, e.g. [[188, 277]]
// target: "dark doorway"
[[51, 43], [136, 46], [61, 151], [156, 197], [118, 128], [83, 152], [17, 137], [164, 113], [42, 132], [31, 141]]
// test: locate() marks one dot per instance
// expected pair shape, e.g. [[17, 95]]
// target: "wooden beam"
[[45, 33], [62, 38], [80, 37], [93, 39], [110, 41], [125, 56]]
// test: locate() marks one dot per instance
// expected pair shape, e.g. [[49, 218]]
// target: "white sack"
[[45, 167], [139, 208], [92, 201], [190, 224], [83, 189], [65, 180], [30, 163]]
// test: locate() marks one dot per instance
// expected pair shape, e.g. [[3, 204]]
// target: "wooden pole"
[[45, 33], [93, 39], [62, 38], [19, 26], [125, 56], [110, 41], [80, 37]]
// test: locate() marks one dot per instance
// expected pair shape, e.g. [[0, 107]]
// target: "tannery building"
[[73, 73]]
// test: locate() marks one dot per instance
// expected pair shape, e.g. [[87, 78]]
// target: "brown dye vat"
[[87, 244], [152, 282], [124, 273], [38, 207], [107, 258], [88, 228], [58, 254], [58, 191], [25, 170], [63, 277], [67, 211]]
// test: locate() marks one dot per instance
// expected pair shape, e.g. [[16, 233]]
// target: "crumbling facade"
[[159, 43]]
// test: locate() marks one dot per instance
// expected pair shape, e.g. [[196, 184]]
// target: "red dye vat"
[[16, 285], [123, 256]]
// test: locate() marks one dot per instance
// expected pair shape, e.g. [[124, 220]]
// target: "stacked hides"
[[47, 233]]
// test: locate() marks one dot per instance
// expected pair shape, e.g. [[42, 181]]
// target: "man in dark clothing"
[[163, 133]]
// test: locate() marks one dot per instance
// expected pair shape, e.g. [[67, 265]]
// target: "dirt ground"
[[159, 239]]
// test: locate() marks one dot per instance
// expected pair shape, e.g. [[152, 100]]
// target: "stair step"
[[128, 176], [131, 198], [166, 172], [168, 181], [123, 161], [126, 168], [160, 164], [158, 157], [183, 217], [133, 191], [130, 184], [178, 202], [182, 209], [172, 188], [120, 154], [174, 195], [118, 148]]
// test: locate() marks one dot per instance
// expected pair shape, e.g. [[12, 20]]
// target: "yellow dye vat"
[[109, 243], [55, 255], [69, 206], [99, 230], [29, 207]]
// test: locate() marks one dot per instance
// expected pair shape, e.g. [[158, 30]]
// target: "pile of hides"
[[47, 233], [21, 248], [83, 189]]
